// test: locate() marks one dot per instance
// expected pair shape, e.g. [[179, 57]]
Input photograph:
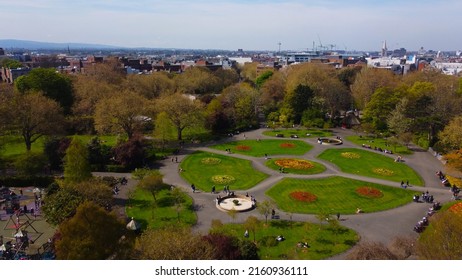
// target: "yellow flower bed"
[[211, 161], [294, 163], [350, 155], [223, 179], [383, 171]]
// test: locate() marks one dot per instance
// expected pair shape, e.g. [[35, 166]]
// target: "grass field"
[[301, 133], [324, 241], [207, 169], [379, 143], [314, 168], [270, 147], [140, 207], [370, 164], [336, 195]]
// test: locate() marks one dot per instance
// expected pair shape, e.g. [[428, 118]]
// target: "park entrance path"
[[381, 226]]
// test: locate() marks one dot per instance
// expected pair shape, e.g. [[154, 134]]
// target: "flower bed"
[[350, 155], [303, 196], [243, 148], [383, 171], [369, 192], [456, 208], [211, 161], [287, 145], [223, 179], [294, 163]]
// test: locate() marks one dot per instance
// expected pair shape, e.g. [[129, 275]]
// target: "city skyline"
[[234, 24]]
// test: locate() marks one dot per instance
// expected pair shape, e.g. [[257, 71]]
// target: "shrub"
[[30, 164], [268, 241]]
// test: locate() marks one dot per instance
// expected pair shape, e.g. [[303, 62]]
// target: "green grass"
[[165, 214], [301, 133], [317, 167], [323, 241], [200, 174], [379, 143], [14, 146], [258, 148], [109, 140], [336, 195], [370, 164]]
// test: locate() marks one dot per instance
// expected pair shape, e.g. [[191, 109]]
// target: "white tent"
[[19, 234], [2, 247], [133, 225]]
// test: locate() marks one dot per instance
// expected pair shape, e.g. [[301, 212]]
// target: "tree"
[[451, 135], [265, 208], [398, 121], [178, 199], [76, 165], [55, 150], [53, 85], [182, 112], [263, 78], [92, 234], [380, 106], [163, 128], [176, 243], [226, 247], [150, 86], [252, 224], [33, 116], [371, 251], [442, 240], [300, 100], [125, 112], [131, 154], [10, 63], [153, 183], [198, 80], [30, 164]]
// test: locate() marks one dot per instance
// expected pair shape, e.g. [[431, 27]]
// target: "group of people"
[[443, 178], [423, 223], [455, 192], [386, 151], [403, 185]]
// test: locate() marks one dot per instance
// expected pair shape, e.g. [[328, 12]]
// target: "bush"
[[30, 164]]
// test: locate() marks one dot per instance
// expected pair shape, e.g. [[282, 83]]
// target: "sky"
[[297, 25]]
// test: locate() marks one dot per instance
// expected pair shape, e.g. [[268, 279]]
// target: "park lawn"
[[323, 240], [315, 169], [200, 167], [370, 164], [336, 195], [108, 140], [140, 207], [379, 143], [301, 133], [271, 147], [13, 146]]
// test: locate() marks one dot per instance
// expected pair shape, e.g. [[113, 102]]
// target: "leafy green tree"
[[379, 108], [30, 164], [263, 78], [153, 183], [76, 165], [52, 84], [163, 128], [398, 121], [92, 234], [265, 208], [451, 135], [33, 115], [10, 63], [198, 80], [55, 150], [252, 224], [125, 112], [300, 100], [182, 112]]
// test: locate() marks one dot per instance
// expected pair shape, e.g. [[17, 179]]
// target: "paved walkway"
[[379, 227]]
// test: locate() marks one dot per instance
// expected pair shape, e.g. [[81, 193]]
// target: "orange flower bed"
[[303, 196], [456, 208], [243, 148], [287, 145], [294, 163], [369, 192]]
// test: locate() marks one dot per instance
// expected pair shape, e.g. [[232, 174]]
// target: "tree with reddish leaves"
[[132, 153]]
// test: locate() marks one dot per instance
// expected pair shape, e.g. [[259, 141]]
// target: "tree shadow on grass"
[[324, 241], [282, 224]]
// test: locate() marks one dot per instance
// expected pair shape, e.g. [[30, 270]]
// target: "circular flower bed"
[[456, 208], [294, 163], [211, 161], [383, 171], [350, 155], [303, 196], [287, 145], [243, 148], [369, 192], [223, 179]]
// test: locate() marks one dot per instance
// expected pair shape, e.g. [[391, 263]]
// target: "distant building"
[[10, 75]]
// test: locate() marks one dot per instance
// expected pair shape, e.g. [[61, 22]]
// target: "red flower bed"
[[369, 192], [303, 196], [287, 145], [456, 208], [243, 148]]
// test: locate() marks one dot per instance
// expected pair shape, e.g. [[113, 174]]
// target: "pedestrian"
[[246, 234], [172, 159], [176, 159], [193, 188], [213, 189], [338, 216]]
